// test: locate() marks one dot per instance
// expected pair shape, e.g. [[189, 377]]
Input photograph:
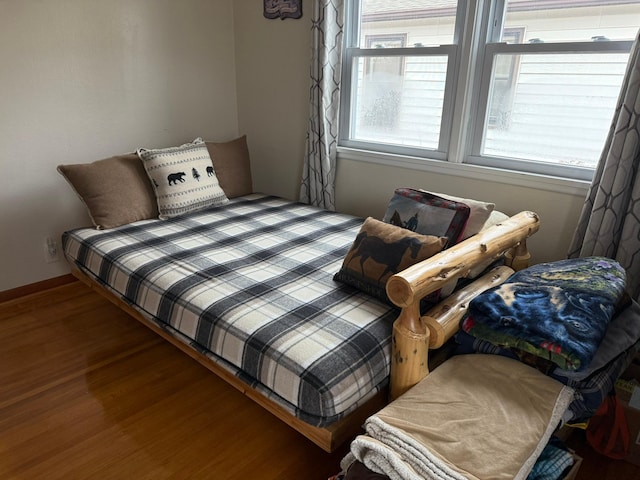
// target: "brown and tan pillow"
[[426, 213], [381, 250], [232, 166], [115, 190]]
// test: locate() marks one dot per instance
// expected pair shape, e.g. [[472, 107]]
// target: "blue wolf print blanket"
[[558, 310]]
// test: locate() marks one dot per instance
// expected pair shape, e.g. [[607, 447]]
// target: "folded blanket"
[[378, 457], [623, 332], [475, 416], [558, 310], [591, 386]]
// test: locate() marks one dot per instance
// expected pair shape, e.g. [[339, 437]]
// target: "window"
[[515, 84], [399, 108]]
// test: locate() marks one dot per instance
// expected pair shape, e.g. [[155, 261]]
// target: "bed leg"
[[518, 257], [409, 351]]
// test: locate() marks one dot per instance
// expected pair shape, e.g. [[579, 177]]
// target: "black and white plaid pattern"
[[250, 284]]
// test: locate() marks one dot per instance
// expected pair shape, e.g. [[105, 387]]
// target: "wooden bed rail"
[[411, 337]]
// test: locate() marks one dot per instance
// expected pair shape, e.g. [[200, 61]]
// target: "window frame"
[[490, 45], [351, 53], [470, 59]]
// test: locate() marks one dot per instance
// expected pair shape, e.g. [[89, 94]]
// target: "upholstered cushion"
[[232, 166], [479, 213], [428, 214], [381, 250], [183, 177], [115, 190]]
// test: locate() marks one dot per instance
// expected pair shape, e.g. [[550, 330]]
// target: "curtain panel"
[[610, 221], [318, 175]]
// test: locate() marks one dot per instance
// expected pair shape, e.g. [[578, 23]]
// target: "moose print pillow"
[[183, 178], [381, 250]]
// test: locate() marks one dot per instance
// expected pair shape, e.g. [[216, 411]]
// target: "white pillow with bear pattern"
[[183, 178]]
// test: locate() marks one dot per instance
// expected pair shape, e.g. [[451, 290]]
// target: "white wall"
[[272, 61], [85, 79]]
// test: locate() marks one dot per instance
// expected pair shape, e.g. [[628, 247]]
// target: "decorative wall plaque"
[[283, 9]]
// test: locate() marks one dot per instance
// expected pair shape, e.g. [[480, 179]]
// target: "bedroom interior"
[[139, 75]]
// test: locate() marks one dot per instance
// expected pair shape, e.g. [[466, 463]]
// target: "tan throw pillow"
[[479, 213], [115, 190], [495, 218], [381, 250], [232, 166], [183, 178]]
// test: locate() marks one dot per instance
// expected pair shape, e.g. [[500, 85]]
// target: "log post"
[[518, 257], [409, 351]]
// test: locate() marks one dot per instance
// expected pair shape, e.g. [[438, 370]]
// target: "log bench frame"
[[411, 335]]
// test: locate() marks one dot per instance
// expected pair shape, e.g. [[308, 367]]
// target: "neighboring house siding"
[[575, 108]]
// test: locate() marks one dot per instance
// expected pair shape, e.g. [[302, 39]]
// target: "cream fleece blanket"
[[477, 417]]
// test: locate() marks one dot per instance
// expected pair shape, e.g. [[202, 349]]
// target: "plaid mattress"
[[249, 284]]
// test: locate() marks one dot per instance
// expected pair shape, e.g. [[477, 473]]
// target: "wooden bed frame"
[[411, 332]]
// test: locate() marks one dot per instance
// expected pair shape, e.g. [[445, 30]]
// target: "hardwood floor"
[[88, 392]]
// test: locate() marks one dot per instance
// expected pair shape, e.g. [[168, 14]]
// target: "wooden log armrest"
[[411, 334]]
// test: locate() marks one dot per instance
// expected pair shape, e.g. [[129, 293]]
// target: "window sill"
[[495, 175]]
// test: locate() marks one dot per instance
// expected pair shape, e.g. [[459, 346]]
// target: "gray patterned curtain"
[[609, 225], [318, 175]]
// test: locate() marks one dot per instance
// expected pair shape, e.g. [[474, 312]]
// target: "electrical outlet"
[[51, 250]]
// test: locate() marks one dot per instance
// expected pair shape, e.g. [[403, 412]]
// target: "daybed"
[[244, 282]]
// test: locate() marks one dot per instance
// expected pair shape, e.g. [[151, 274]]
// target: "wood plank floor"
[[88, 392]]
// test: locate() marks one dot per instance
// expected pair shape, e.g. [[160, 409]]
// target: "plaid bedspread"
[[250, 284]]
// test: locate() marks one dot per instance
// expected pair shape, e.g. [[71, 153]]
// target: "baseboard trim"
[[18, 292]]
